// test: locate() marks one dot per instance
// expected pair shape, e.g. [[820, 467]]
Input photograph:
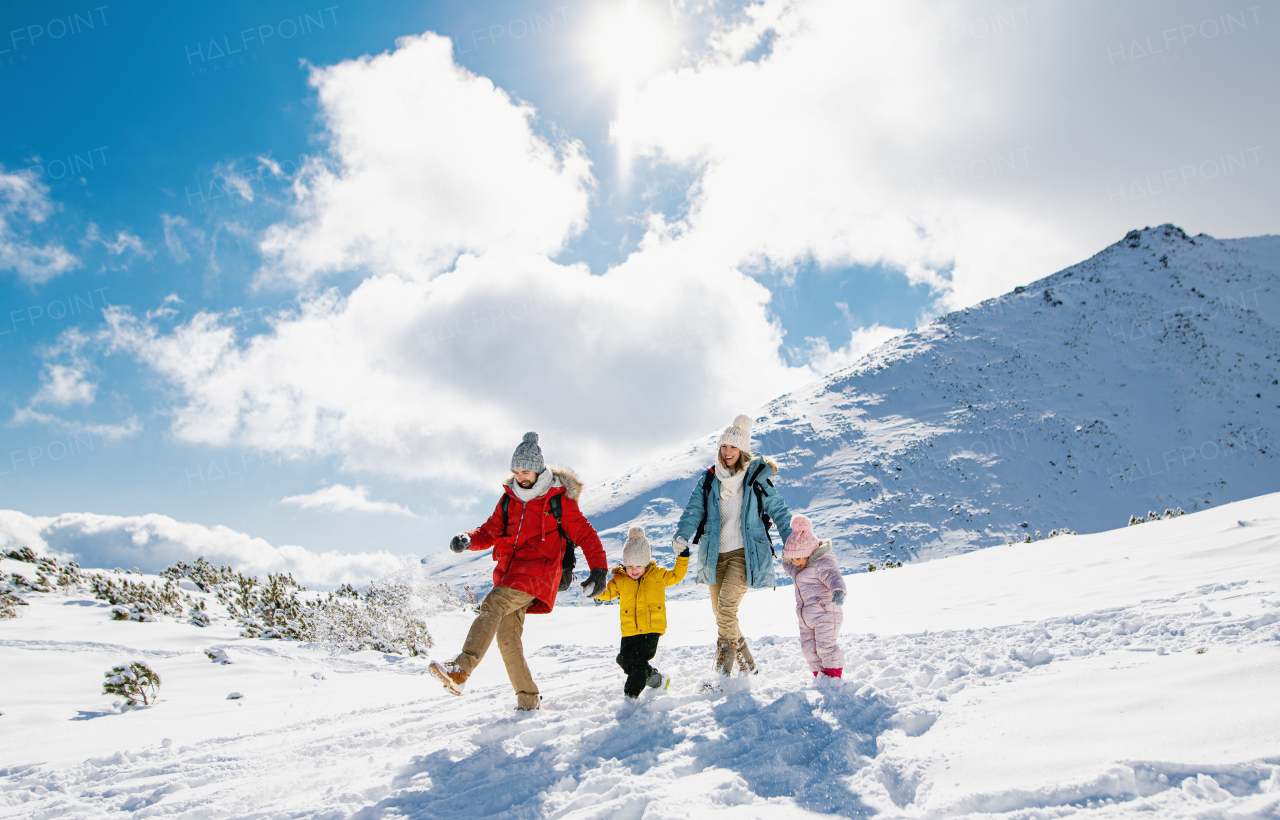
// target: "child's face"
[[800, 563], [635, 572]]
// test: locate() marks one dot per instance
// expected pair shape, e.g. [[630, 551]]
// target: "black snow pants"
[[634, 657]]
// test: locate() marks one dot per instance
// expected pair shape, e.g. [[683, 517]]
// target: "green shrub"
[[134, 682]]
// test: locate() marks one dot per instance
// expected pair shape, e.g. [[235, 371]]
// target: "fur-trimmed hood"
[[561, 477]]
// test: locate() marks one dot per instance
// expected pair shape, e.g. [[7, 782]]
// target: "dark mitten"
[[595, 583], [566, 578], [460, 542], [684, 553], [837, 598]]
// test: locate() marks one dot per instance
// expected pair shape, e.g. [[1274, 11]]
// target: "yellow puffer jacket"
[[643, 604]]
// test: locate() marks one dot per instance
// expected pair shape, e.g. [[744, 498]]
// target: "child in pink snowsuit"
[[819, 597]]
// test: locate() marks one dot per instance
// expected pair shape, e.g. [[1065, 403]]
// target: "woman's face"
[[730, 455]]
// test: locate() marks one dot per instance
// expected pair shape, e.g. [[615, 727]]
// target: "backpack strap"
[[569, 559], [706, 494], [759, 491], [504, 503]]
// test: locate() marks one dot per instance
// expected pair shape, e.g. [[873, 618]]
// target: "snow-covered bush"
[[134, 682], [889, 564], [199, 615], [25, 555], [202, 573], [217, 656], [1152, 515], [138, 600], [9, 601], [382, 619]]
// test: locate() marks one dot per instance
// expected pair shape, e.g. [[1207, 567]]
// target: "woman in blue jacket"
[[726, 517]]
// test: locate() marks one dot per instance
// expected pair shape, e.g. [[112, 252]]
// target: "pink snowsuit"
[[820, 619]]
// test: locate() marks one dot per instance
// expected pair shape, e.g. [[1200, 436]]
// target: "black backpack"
[[753, 481], [569, 560]]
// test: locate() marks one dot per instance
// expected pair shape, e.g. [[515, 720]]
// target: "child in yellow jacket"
[[642, 587]]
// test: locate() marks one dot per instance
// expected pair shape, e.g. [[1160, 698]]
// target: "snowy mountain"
[[1142, 378], [1155, 648]]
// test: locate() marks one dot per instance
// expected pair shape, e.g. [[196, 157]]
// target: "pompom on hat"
[[802, 542], [528, 455], [636, 553], [737, 434]]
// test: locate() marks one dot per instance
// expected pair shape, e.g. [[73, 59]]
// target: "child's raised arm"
[[672, 577]]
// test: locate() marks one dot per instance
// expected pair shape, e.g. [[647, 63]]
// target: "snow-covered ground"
[[1126, 673]]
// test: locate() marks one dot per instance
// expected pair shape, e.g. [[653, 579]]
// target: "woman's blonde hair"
[[744, 458]]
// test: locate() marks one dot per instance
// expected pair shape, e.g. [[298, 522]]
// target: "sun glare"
[[629, 42]]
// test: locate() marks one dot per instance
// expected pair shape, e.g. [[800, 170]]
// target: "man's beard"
[[527, 486]]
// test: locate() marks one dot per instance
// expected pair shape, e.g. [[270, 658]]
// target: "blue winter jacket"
[[759, 554]]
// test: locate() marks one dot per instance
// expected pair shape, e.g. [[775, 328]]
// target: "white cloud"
[[25, 202], [152, 542], [942, 140], [341, 498], [108, 432], [124, 242], [430, 161], [819, 355], [177, 233]]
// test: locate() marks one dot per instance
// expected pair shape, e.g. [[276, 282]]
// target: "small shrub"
[[217, 656], [200, 615], [134, 682], [138, 600], [25, 555], [9, 601]]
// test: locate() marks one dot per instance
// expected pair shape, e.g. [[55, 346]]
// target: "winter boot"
[[746, 663], [450, 674], [658, 681], [526, 702], [833, 673], [726, 652]]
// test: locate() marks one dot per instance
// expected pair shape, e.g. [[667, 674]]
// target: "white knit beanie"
[[737, 434], [636, 552]]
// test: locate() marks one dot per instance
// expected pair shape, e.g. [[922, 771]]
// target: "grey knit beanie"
[[528, 455], [636, 552]]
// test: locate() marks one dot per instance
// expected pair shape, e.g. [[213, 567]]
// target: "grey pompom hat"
[[636, 552], [528, 455]]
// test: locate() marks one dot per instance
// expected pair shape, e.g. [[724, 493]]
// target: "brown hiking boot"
[[726, 652], [526, 702], [450, 674], [746, 663]]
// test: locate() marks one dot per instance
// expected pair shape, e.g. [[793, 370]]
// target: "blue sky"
[[658, 218]]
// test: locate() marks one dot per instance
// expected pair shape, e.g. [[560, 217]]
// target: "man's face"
[[526, 478]]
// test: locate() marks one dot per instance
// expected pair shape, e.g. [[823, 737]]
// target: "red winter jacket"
[[530, 551]]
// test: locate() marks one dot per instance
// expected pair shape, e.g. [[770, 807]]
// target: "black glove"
[[837, 598], [595, 583], [684, 553], [460, 542], [566, 578]]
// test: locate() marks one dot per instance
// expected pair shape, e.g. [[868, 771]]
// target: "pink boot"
[[832, 673]]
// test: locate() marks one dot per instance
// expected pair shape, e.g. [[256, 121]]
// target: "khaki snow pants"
[[502, 614], [727, 592]]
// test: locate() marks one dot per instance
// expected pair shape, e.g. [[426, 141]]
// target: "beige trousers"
[[502, 614], [727, 592]]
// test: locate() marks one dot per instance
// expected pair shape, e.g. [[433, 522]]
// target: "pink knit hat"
[[802, 542]]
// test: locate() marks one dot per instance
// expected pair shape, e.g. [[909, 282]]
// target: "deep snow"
[[1125, 673]]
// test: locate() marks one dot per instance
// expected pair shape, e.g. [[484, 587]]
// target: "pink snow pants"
[[819, 631]]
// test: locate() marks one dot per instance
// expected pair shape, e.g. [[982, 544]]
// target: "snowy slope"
[[1143, 378], [1129, 673]]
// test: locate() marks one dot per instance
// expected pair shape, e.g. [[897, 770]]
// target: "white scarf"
[[729, 484], [546, 480]]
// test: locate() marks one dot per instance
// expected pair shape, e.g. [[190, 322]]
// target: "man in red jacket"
[[529, 552]]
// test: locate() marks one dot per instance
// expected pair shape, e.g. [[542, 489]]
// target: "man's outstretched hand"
[[460, 542], [566, 578], [595, 583]]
